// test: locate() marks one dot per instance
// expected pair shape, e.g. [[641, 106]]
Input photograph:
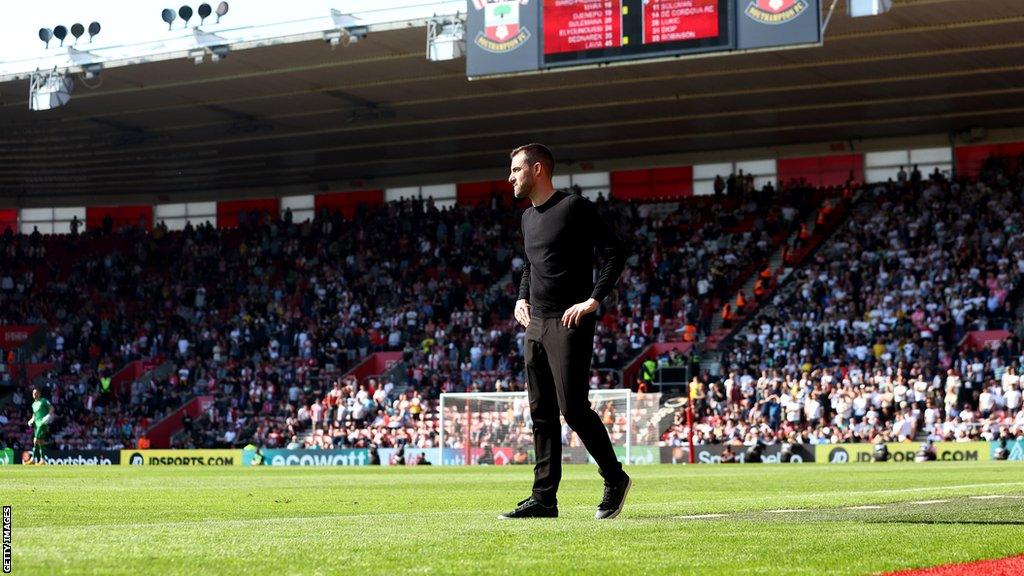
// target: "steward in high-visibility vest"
[[647, 371], [727, 316]]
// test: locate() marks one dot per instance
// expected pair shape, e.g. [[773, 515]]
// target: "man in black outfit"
[[557, 301]]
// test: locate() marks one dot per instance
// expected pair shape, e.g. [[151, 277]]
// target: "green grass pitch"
[[430, 520]]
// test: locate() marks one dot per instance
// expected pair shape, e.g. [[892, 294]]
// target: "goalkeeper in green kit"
[[42, 415]]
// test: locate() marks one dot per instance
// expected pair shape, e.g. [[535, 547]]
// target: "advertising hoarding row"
[[505, 455]]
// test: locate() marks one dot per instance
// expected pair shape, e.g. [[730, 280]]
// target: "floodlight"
[[48, 90], [446, 40], [168, 16], [60, 33], [92, 71], [861, 8], [204, 11], [219, 52], [337, 37]]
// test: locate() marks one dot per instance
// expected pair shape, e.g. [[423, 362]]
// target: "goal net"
[[496, 428]]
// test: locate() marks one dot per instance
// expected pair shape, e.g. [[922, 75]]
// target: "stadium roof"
[[303, 115]]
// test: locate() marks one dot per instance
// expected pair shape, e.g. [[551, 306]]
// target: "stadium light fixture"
[[219, 53], [338, 38], [185, 13], [60, 33], [346, 30], [168, 16], [92, 71], [446, 40], [862, 8], [48, 90], [208, 43], [204, 11], [77, 30], [222, 9]]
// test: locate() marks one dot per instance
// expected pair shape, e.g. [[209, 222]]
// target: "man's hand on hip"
[[522, 312], [575, 313]]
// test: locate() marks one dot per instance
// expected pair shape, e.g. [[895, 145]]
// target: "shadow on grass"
[[953, 522]]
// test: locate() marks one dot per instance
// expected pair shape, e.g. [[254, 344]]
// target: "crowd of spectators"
[[257, 307], [483, 352], [267, 317], [870, 344]]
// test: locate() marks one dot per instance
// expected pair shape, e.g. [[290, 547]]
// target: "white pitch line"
[[810, 495], [786, 510], [865, 507], [929, 502], [701, 516], [992, 497]]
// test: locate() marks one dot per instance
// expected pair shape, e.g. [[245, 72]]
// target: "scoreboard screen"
[[527, 36], [586, 31]]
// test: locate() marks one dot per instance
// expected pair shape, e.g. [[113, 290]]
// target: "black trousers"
[[558, 380]]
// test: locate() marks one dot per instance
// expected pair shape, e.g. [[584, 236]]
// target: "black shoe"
[[614, 499], [531, 508]]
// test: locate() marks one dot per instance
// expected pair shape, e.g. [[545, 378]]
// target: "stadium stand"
[[862, 346], [873, 341], [268, 316]]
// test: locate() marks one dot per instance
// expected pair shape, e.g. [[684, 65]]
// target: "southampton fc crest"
[[775, 11], [502, 31]]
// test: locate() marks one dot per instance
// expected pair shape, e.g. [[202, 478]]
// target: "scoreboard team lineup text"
[[578, 31], [571, 25]]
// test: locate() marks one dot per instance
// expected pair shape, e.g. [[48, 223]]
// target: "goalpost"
[[496, 427]]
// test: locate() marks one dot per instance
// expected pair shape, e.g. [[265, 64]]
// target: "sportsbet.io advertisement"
[[81, 457], [65, 457]]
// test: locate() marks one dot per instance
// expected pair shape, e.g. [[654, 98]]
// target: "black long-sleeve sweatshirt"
[[560, 238]]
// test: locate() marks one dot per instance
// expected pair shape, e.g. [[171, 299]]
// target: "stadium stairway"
[[712, 357], [782, 289], [160, 434], [151, 372], [748, 276], [138, 370]]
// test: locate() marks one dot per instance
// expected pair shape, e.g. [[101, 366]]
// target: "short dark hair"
[[537, 153]]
